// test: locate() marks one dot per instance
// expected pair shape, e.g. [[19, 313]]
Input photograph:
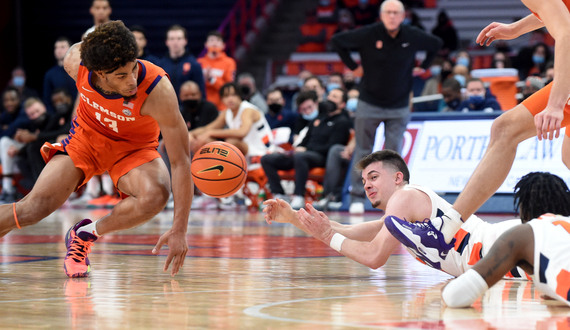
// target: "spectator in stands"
[[330, 128], [334, 80], [350, 79], [352, 102], [314, 83], [345, 21], [461, 73], [12, 105], [101, 12], [36, 119], [54, 128], [277, 115], [462, 57], [433, 83], [327, 12], [241, 124], [178, 62], [386, 83], [248, 89], [217, 67], [501, 60], [366, 12], [56, 77], [18, 81], [540, 56], [531, 85], [140, 36], [523, 61], [196, 111], [447, 32], [413, 19], [452, 96], [308, 109], [477, 98]]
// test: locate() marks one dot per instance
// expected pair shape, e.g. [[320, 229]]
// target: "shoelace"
[[78, 249]]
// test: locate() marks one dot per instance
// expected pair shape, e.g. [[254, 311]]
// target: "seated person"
[[277, 115], [241, 124], [330, 128], [478, 98], [452, 97]]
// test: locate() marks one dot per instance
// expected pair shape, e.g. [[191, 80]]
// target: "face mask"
[[215, 50], [40, 120], [445, 74], [189, 105], [453, 104], [245, 90], [476, 100], [463, 61], [19, 81], [349, 85], [407, 21], [537, 59], [351, 104], [311, 116], [332, 86], [300, 84], [327, 107], [435, 70], [324, 3], [62, 108], [275, 107], [460, 79]]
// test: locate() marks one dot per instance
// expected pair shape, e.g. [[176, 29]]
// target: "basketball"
[[219, 169]]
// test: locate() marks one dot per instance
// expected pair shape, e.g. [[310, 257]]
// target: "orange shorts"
[[537, 102], [96, 154]]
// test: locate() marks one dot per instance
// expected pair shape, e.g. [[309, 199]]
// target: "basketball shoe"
[[76, 263], [425, 240]]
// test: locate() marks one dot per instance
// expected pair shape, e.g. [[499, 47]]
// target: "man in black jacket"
[[388, 58], [329, 128]]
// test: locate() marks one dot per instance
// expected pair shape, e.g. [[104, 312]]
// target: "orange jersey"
[[221, 70], [111, 115]]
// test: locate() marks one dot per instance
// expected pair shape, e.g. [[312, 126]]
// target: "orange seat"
[[314, 186]]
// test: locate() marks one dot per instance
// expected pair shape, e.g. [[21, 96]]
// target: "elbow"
[[376, 262]]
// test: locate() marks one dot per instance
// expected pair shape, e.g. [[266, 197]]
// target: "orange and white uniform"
[[109, 133], [222, 70], [473, 240], [552, 256]]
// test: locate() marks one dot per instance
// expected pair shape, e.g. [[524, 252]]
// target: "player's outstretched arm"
[[162, 105], [501, 31], [514, 247], [72, 60]]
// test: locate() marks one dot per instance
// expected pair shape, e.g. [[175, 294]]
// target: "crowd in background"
[[28, 118]]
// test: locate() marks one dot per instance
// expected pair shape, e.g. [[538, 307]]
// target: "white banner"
[[442, 154]]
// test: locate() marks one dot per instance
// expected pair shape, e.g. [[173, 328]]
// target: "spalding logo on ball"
[[219, 169]]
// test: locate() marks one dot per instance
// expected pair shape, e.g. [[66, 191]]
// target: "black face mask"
[[190, 105], [445, 74], [62, 109], [245, 90], [348, 85], [275, 107], [38, 122], [453, 104], [327, 107]]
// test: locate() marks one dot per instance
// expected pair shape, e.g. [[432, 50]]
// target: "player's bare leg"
[[57, 181]]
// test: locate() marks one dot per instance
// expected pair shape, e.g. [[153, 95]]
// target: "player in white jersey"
[[386, 176], [540, 246], [241, 124]]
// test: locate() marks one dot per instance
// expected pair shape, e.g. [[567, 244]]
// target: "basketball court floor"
[[240, 273]]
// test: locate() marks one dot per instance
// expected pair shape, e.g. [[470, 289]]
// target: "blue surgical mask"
[[300, 83], [407, 21], [324, 3], [537, 59], [435, 70], [351, 104], [363, 2], [463, 61], [332, 86], [476, 100], [311, 116], [19, 81], [460, 79]]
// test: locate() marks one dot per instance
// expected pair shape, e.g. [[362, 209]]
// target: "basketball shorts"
[[537, 102], [96, 154]]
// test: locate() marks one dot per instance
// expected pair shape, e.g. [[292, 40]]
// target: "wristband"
[[336, 241]]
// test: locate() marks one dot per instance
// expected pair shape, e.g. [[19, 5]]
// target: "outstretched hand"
[[316, 223], [278, 210], [178, 247], [494, 31]]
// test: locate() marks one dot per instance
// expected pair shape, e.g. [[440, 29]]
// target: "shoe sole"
[[397, 230]]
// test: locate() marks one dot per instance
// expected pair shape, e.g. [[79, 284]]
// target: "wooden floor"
[[240, 274]]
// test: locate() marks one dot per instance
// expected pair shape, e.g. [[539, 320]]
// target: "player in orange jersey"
[[218, 68], [543, 114], [124, 104]]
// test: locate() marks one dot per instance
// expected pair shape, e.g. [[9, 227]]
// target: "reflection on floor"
[[239, 273]]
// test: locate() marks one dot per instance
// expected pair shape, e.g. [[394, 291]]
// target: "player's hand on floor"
[[278, 210], [178, 248]]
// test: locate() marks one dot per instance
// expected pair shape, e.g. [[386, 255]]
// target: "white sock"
[[449, 224], [90, 228]]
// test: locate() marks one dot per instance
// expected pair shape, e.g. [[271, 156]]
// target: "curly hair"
[[537, 193], [111, 46], [387, 157]]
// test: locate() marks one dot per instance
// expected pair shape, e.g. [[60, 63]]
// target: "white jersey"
[[472, 241], [259, 139], [552, 256]]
